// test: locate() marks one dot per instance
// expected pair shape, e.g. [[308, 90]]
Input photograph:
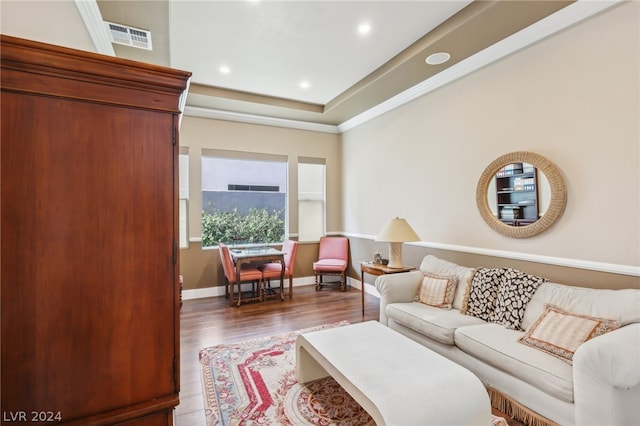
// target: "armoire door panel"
[[93, 213]]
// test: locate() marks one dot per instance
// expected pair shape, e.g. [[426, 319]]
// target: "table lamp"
[[396, 232]]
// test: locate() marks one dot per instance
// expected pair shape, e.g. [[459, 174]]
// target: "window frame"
[[183, 198], [245, 156], [302, 199]]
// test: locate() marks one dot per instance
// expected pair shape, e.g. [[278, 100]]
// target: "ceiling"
[[271, 47]]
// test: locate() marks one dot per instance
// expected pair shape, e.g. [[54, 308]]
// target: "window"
[[183, 197], [244, 198], [311, 202]]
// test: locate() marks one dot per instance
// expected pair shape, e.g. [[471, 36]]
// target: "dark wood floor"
[[210, 321]]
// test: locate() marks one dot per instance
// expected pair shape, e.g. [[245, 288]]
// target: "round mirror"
[[521, 194]]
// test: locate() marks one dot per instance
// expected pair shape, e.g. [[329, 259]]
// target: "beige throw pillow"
[[436, 290], [559, 332]]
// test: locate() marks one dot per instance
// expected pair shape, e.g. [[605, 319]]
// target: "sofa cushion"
[[498, 346], [439, 266], [435, 323], [436, 290], [559, 332], [620, 305]]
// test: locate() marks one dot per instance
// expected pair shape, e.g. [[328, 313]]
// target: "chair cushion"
[[330, 265], [250, 274], [273, 270], [273, 267]]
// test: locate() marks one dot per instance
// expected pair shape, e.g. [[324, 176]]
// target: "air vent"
[[129, 36]]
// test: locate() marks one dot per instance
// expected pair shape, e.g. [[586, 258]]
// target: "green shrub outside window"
[[258, 226]]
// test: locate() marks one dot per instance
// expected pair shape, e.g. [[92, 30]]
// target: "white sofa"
[[602, 387]]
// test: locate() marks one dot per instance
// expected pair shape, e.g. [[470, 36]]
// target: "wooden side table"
[[377, 269]]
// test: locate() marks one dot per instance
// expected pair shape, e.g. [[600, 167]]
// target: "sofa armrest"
[[606, 378], [401, 287]]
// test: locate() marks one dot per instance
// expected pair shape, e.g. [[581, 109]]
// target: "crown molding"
[[90, 14], [191, 111], [570, 15]]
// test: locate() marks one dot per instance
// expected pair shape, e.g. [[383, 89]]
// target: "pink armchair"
[[247, 274], [333, 259], [273, 270]]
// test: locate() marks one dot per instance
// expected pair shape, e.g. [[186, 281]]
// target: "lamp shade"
[[397, 231]]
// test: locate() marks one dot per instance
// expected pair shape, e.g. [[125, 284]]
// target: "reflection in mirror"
[[532, 205], [521, 194]]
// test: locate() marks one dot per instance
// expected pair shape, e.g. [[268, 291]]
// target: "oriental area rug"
[[254, 383]]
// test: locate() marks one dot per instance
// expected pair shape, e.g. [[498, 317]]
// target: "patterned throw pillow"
[[500, 295], [482, 293], [559, 332], [515, 291], [436, 290]]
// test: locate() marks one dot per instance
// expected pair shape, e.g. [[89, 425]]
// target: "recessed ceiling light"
[[438, 58], [305, 84], [364, 29], [225, 69]]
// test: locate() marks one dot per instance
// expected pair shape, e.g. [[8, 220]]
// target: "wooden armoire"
[[89, 208]]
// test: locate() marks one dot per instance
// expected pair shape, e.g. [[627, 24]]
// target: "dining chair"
[[333, 259], [247, 274], [274, 269]]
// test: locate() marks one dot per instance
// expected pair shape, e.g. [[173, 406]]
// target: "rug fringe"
[[516, 410]]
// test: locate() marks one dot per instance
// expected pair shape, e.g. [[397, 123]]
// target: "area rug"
[[254, 383]]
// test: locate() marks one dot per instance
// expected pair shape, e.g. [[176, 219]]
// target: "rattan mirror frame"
[[557, 202]]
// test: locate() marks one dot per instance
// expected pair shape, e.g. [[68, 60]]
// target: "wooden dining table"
[[255, 255]]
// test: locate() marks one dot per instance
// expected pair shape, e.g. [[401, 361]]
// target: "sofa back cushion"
[[620, 305], [434, 265]]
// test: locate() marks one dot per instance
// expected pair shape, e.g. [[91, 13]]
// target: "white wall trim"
[[368, 288], [560, 20], [90, 13], [258, 119], [613, 268], [292, 235], [201, 293]]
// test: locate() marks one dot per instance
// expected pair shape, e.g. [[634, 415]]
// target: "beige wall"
[[573, 98], [201, 268], [53, 22]]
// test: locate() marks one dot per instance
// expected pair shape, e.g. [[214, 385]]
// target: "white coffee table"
[[396, 380]]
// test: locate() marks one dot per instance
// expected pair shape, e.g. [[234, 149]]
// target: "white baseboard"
[[368, 288], [201, 293]]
